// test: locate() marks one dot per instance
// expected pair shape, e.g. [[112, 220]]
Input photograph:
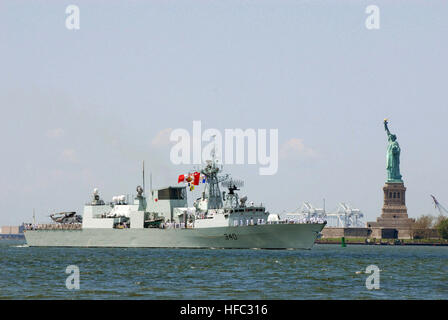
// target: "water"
[[325, 272]]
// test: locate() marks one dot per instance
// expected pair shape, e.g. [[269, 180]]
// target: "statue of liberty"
[[393, 157]]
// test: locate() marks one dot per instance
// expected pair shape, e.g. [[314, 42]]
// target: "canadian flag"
[[196, 176], [181, 178]]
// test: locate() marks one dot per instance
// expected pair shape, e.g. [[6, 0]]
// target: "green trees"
[[424, 227], [442, 227]]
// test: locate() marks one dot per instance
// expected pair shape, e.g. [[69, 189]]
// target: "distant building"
[[11, 229]]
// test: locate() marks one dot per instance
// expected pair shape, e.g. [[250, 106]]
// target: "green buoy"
[[343, 244]]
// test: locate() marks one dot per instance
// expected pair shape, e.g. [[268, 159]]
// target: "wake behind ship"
[[164, 220]]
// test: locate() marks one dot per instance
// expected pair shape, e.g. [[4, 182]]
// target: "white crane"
[[309, 211], [346, 217], [438, 206], [306, 212]]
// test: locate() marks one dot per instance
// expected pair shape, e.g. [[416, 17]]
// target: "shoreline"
[[337, 241], [384, 242], [12, 236]]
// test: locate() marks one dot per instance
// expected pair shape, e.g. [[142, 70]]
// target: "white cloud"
[[69, 155], [162, 138], [296, 147], [55, 133]]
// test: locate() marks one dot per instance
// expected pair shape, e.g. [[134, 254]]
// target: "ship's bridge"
[[163, 201]]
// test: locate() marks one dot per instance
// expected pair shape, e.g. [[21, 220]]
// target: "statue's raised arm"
[[386, 128]]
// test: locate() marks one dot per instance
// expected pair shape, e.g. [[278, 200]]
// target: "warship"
[[163, 219]]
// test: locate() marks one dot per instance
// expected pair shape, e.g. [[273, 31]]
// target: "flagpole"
[[144, 177]]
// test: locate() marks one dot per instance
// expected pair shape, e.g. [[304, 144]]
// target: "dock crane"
[[345, 216], [438, 206]]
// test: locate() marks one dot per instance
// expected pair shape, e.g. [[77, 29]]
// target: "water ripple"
[[326, 272]]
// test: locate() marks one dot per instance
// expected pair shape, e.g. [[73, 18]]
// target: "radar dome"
[[273, 217]]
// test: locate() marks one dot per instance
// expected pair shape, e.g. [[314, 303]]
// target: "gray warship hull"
[[268, 236]]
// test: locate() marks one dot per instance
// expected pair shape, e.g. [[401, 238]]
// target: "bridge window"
[[171, 194]]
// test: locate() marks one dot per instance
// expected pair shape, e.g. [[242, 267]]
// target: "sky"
[[82, 108]]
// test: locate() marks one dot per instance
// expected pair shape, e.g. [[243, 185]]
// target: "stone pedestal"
[[394, 213]]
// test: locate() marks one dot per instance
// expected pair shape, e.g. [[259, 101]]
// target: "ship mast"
[[211, 191]]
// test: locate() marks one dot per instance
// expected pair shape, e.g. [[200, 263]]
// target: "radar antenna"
[[232, 185], [232, 197]]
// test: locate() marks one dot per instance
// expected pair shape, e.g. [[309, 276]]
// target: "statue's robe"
[[393, 161]]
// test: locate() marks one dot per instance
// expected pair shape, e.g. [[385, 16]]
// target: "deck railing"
[[53, 226]]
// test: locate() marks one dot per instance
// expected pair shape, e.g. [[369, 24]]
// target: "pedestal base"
[[394, 213]]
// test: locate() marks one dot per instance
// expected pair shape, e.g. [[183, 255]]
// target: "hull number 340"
[[230, 236]]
